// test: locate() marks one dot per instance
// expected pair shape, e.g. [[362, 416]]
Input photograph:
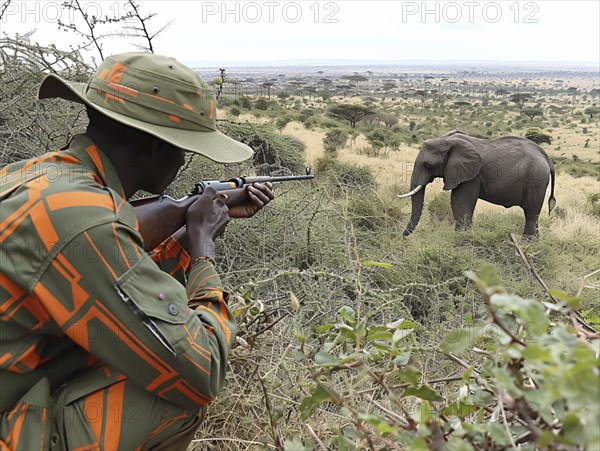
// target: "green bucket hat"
[[155, 94]]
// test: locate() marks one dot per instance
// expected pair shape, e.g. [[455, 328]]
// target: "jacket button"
[[172, 309]]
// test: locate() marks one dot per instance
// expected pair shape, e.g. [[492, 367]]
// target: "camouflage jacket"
[[78, 290]]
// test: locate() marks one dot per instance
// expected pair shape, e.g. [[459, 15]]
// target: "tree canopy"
[[349, 112]]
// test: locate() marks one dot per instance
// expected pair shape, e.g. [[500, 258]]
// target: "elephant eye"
[[428, 165]]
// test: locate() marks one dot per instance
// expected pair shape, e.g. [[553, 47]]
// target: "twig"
[[274, 431], [533, 271], [435, 381], [495, 319], [393, 415], [508, 432], [227, 439], [4, 8], [317, 439]]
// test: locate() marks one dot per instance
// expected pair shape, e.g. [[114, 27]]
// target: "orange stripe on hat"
[[108, 97], [162, 99], [124, 89]]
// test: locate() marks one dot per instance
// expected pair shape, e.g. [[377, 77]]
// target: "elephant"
[[508, 171]]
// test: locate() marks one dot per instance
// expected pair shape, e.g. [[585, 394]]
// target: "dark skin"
[[144, 162]]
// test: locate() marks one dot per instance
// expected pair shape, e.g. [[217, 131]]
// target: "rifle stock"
[[159, 217]]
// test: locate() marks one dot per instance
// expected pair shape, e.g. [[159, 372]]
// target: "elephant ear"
[[464, 162]]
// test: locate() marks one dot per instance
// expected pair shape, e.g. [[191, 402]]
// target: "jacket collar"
[[90, 155]]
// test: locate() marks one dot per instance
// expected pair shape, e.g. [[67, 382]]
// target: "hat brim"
[[211, 144]]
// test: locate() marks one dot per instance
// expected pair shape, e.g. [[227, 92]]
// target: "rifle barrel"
[[283, 178]]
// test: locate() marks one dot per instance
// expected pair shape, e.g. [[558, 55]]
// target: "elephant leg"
[[532, 211], [531, 220], [463, 200]]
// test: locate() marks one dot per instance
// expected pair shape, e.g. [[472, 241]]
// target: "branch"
[[4, 8], [142, 31], [276, 438], [530, 267]]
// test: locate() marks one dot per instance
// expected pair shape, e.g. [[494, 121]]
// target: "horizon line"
[[342, 62]]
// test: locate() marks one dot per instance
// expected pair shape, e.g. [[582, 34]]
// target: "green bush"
[[439, 207], [594, 201], [273, 152], [262, 104], [536, 135], [334, 140], [344, 175]]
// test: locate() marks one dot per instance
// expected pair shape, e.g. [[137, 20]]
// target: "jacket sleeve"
[[111, 298], [172, 258]]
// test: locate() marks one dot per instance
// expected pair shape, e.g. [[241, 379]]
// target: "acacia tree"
[[591, 110], [538, 136], [28, 127], [532, 112], [520, 98], [356, 79], [350, 113], [388, 119]]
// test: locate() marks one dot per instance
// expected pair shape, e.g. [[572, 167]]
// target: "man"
[[101, 345]]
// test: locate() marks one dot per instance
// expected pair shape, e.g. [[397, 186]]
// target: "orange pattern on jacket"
[[76, 286]]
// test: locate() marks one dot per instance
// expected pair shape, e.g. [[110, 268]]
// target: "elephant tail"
[[552, 199]]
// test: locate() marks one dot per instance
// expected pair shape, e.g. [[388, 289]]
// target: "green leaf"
[[459, 340], [295, 444], [402, 359], [460, 409], [410, 375], [320, 394], [298, 355], [467, 374], [574, 430], [348, 314], [377, 264], [534, 352], [498, 434], [423, 392], [326, 359], [400, 334], [469, 318], [324, 328], [379, 333], [572, 301], [419, 444], [458, 444]]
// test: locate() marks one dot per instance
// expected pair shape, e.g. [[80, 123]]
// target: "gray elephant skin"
[[509, 171]]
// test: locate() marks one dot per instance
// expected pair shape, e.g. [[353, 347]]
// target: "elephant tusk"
[[414, 191]]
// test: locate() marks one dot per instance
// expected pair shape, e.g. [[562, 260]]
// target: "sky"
[[275, 32]]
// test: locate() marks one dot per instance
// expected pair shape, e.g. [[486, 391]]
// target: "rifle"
[[161, 216]]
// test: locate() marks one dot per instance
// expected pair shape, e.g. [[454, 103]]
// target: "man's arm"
[[110, 298]]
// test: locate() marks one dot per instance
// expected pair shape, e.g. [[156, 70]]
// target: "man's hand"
[[245, 203], [206, 220]]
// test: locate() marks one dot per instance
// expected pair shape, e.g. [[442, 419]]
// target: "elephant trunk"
[[417, 209]]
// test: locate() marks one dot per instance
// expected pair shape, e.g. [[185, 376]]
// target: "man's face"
[[163, 167]]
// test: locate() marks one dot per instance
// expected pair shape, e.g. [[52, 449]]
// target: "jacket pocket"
[[158, 300]]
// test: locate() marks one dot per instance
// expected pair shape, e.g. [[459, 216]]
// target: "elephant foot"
[[530, 231], [462, 225]]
